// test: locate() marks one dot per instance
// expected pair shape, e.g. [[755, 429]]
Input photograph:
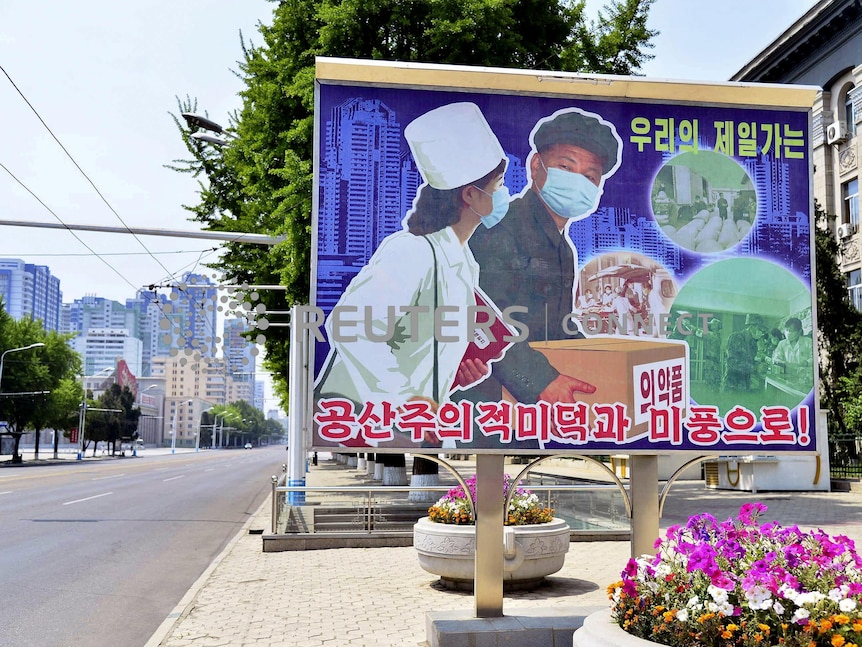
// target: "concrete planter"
[[530, 552], [599, 631]]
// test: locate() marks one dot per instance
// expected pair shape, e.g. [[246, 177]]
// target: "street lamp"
[[14, 350], [17, 458], [174, 425], [198, 121]]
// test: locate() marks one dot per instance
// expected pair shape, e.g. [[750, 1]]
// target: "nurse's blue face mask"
[[499, 208], [569, 195]]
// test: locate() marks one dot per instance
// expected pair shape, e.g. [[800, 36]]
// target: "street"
[[99, 552]]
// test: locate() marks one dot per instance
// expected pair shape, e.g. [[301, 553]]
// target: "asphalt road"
[[98, 553]]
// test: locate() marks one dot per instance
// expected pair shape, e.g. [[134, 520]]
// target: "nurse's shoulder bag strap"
[[436, 381]]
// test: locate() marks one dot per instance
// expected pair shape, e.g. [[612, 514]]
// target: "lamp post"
[[17, 458], [174, 425], [14, 350]]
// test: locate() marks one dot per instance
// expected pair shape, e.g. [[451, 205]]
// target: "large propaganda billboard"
[[527, 262]]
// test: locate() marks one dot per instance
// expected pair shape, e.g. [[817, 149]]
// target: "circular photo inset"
[[748, 326], [704, 201], [624, 293]]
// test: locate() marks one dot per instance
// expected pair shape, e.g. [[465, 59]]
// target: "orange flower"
[[840, 619], [837, 640]]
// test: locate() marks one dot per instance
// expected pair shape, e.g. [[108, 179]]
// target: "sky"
[[104, 77]]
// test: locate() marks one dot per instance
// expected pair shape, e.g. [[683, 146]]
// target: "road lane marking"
[[7, 492], [102, 478], [210, 469], [88, 498], [174, 478]]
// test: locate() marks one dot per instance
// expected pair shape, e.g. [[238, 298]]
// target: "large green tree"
[[839, 325], [34, 387], [262, 181]]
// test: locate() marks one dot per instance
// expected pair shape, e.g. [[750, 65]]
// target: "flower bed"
[[524, 510], [743, 583]]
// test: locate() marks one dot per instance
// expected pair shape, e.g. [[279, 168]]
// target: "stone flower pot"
[[530, 552], [599, 630]]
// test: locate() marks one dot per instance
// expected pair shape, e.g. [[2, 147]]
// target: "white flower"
[[809, 597], [778, 607], [717, 594], [799, 614], [758, 597], [847, 605], [694, 602], [835, 595], [682, 615]]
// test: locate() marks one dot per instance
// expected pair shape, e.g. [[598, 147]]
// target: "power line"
[[60, 220], [78, 166]]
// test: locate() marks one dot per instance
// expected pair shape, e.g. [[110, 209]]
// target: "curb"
[[185, 603]]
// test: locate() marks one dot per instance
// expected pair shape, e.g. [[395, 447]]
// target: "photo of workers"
[[635, 294], [752, 344], [704, 201]]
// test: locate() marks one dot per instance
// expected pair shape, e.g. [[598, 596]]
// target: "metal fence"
[[844, 456], [587, 508]]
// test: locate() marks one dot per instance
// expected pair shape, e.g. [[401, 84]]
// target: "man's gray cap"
[[576, 129]]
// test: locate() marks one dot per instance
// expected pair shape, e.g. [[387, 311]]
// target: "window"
[[849, 112], [854, 288], [850, 202]]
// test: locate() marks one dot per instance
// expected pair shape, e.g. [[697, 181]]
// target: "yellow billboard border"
[[543, 83]]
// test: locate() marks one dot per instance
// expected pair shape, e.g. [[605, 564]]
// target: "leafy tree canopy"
[[262, 181], [840, 335], [38, 385]]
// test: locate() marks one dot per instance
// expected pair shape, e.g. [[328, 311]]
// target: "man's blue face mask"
[[499, 208], [569, 195]]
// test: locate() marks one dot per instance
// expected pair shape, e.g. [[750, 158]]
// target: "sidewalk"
[[68, 453], [379, 596]]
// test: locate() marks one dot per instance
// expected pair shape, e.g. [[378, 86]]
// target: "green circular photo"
[[704, 201], [749, 329]]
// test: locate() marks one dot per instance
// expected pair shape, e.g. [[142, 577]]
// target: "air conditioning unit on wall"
[[836, 133], [846, 230]]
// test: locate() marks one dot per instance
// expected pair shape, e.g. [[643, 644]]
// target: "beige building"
[[191, 388]]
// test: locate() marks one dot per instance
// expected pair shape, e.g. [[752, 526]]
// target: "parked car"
[[248, 445]]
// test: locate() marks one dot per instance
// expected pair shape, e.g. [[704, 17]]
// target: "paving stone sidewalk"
[[377, 597]]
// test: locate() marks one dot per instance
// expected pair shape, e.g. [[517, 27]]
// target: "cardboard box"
[[640, 374]]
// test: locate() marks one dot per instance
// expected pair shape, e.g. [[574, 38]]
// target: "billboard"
[[528, 262]]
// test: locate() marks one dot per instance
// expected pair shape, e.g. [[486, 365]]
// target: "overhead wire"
[[171, 274], [60, 220], [81, 170]]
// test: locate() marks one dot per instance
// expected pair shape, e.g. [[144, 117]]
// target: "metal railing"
[[588, 508]]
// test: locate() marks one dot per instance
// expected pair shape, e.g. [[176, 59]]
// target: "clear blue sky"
[[104, 76]]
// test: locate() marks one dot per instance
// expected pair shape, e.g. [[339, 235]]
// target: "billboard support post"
[[488, 575], [297, 387], [644, 502]]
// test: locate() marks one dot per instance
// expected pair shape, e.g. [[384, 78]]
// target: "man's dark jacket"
[[525, 261]]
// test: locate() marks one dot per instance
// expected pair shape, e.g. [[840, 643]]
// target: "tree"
[[114, 417], [262, 181], [840, 339], [32, 397]]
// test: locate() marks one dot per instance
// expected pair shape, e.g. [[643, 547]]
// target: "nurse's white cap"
[[453, 145]]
